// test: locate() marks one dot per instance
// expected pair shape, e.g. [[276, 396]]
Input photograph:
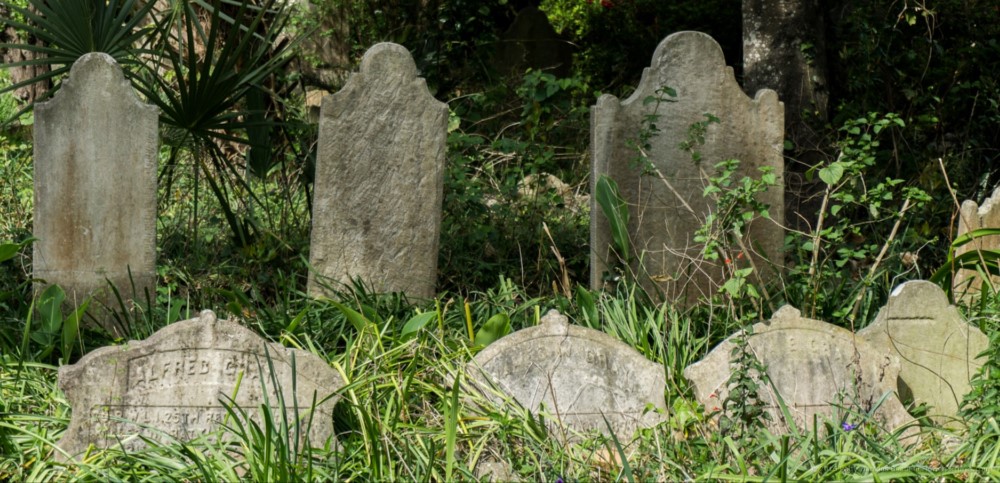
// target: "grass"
[[404, 416]]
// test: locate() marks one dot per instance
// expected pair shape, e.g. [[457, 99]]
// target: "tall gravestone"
[[937, 349], [973, 216], [667, 206], [576, 376], [379, 179], [179, 381], [95, 186], [815, 367]]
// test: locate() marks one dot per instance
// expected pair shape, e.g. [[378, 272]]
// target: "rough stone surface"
[[973, 216], [574, 375], [667, 207], [175, 380], [937, 349], [95, 185], [380, 179], [814, 366], [531, 42]]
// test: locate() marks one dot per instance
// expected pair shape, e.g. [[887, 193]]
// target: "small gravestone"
[[666, 205], [95, 186], [575, 376], [937, 349], [972, 216], [816, 368], [177, 381], [379, 179], [531, 42]]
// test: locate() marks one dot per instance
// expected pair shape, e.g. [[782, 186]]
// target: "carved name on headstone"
[[937, 349], [972, 217], [379, 179], [576, 376], [95, 186], [666, 204], [178, 380], [814, 366]]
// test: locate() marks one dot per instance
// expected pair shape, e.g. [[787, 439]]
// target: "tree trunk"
[[784, 48], [18, 74]]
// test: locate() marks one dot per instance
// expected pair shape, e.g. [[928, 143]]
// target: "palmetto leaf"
[[71, 28]]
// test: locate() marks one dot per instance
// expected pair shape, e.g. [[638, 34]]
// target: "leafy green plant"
[[73, 28], [53, 330]]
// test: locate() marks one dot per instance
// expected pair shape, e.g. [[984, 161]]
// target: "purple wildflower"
[[848, 426]]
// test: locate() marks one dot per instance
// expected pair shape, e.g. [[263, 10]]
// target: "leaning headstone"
[[95, 186], [817, 369], [575, 376], [178, 383], [665, 199], [531, 42], [972, 216], [379, 179], [937, 349]]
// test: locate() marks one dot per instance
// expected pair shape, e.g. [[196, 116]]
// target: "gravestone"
[[95, 186], [937, 349], [379, 179], [814, 366], [175, 382], [531, 42], [973, 216], [575, 376], [667, 206]]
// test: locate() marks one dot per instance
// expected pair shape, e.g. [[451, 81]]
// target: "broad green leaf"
[[417, 322], [616, 211], [832, 173], [494, 328], [360, 322]]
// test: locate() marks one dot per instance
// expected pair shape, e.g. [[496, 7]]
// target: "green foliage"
[[861, 220], [72, 29]]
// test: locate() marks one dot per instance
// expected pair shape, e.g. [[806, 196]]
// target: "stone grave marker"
[[379, 179], [574, 375], [531, 42], [666, 205], [973, 216], [95, 186], [814, 366], [936, 348], [175, 383]]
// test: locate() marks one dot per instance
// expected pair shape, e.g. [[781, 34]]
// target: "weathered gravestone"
[[176, 382], [937, 349], [95, 186], [814, 366], [666, 207], [576, 376], [380, 179], [972, 217], [531, 42]]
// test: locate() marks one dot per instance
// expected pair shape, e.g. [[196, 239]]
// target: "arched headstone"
[[95, 186], [666, 208], [176, 382], [380, 179]]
